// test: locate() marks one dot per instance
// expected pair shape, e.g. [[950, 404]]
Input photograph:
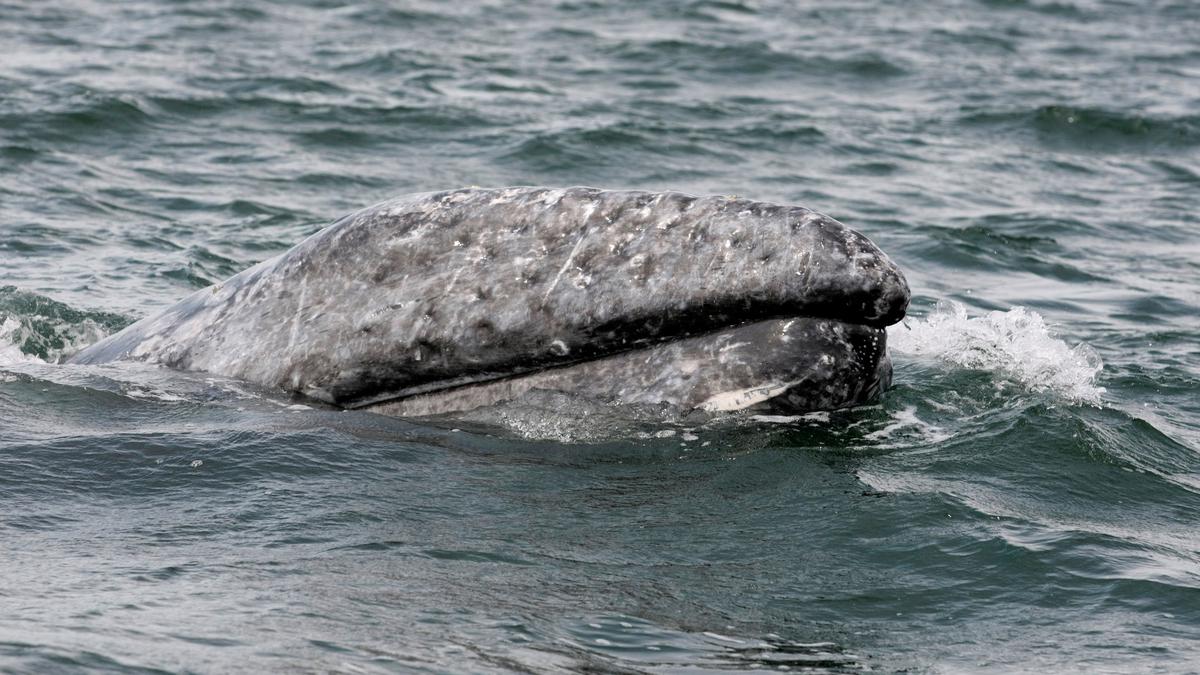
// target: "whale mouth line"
[[490, 376], [755, 363], [483, 377]]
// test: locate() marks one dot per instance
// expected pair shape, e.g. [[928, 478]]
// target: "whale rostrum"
[[448, 300]]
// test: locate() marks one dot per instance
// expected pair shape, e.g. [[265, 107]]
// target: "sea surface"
[[1025, 499]]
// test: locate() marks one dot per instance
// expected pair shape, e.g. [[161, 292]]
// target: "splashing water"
[[41, 339], [36, 329], [11, 336], [1015, 344]]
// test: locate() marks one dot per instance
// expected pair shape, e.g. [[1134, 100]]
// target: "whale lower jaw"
[[792, 365]]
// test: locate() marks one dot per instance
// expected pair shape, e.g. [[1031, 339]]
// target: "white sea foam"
[[12, 334], [152, 394], [1015, 344], [16, 330]]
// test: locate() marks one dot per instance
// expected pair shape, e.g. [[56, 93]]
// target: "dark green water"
[[1012, 506]]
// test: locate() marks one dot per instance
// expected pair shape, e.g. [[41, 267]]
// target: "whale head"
[[441, 290]]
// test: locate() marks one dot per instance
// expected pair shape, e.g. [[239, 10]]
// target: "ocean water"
[[1026, 498]]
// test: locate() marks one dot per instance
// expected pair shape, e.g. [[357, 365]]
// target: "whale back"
[[436, 290]]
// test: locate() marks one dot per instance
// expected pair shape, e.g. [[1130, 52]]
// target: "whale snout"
[[890, 291], [838, 273]]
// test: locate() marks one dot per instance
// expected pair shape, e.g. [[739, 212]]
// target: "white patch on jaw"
[[784, 335], [743, 398]]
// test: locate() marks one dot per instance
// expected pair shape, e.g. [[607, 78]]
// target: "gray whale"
[[446, 301]]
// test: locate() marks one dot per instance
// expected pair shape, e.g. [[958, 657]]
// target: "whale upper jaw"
[[446, 290]]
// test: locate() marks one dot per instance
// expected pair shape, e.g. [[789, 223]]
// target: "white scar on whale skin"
[[566, 265], [453, 281], [299, 312]]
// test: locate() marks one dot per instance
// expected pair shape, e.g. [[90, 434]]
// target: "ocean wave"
[[1094, 129], [36, 240], [754, 58], [978, 247], [1064, 9], [89, 117]]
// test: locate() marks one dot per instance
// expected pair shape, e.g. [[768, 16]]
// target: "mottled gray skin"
[[429, 292]]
